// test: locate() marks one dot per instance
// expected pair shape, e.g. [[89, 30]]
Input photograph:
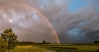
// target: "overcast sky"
[[74, 21]]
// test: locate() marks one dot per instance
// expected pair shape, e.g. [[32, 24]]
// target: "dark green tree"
[[9, 36], [44, 42]]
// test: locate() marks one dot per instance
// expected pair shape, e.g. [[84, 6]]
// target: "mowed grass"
[[57, 48]]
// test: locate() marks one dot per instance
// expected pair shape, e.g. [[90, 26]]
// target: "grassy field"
[[73, 47], [28, 48], [57, 48]]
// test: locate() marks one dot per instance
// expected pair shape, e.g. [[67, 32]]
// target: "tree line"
[[30, 43]]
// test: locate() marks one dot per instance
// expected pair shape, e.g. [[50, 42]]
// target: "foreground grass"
[[57, 48], [28, 49], [72, 48]]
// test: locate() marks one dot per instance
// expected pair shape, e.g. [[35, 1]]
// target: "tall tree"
[[9, 36]]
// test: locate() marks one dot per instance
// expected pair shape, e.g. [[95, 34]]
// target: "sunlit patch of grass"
[[28, 49]]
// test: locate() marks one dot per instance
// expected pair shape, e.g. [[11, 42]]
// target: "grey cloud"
[[59, 15], [26, 25]]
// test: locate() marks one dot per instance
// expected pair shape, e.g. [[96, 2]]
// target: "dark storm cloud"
[[83, 22], [89, 24]]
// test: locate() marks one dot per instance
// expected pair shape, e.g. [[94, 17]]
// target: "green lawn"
[[57, 48]]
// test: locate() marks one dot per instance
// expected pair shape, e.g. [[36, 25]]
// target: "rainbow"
[[31, 7]]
